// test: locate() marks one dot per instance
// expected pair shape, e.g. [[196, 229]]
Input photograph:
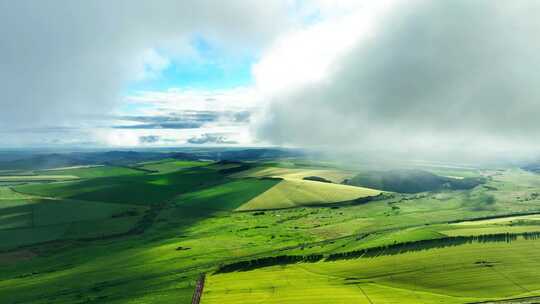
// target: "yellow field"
[[294, 193], [509, 224], [501, 220], [73, 167], [336, 176]]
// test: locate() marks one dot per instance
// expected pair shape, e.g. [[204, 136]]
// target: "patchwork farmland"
[[264, 232]]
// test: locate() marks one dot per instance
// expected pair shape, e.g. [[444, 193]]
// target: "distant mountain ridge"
[[40, 161]]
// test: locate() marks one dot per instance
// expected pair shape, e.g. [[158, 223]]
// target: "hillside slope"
[[296, 193], [411, 181]]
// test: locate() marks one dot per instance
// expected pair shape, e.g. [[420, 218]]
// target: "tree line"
[[269, 261], [443, 242], [391, 249]]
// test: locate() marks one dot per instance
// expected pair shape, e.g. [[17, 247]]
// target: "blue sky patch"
[[212, 68]]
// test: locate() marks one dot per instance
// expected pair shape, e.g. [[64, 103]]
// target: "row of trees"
[[269, 261], [531, 235], [431, 244], [391, 249]]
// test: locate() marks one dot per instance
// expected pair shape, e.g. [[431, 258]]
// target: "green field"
[[463, 274], [143, 235], [93, 172], [26, 221], [168, 165], [6, 193], [143, 189], [37, 178], [227, 196]]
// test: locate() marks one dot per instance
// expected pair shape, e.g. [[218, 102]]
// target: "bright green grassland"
[[195, 230], [168, 165], [92, 172], [462, 274]]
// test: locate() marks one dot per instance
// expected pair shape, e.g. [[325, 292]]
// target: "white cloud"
[[64, 60], [427, 75], [446, 77], [168, 137], [176, 99], [226, 109], [307, 55], [151, 65]]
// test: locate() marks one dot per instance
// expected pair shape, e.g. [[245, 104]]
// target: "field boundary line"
[[199, 286], [506, 300], [365, 294], [510, 279]]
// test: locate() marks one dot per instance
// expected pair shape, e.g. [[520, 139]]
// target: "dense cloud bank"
[[433, 76], [64, 60]]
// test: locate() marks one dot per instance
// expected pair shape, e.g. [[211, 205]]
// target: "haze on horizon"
[[417, 77]]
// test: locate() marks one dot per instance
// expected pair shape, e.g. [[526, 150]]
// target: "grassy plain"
[[37, 178], [168, 165], [142, 189], [93, 172], [462, 274], [191, 226]]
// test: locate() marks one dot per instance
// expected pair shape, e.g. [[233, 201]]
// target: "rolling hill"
[[411, 181], [290, 193]]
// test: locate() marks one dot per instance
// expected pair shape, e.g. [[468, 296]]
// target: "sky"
[[416, 76]]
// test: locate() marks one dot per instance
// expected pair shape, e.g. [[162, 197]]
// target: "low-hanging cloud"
[[185, 120], [149, 139], [209, 138], [432, 76], [60, 60]]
